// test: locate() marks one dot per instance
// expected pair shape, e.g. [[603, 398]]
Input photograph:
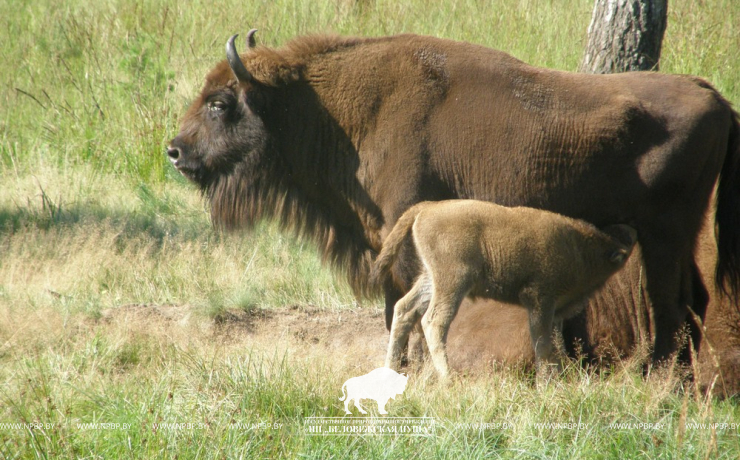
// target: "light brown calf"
[[545, 262]]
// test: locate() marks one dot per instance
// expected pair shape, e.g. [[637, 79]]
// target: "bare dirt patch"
[[481, 336], [355, 336]]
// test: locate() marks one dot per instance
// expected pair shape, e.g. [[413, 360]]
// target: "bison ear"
[[256, 100]]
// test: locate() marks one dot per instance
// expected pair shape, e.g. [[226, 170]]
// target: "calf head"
[[623, 239]]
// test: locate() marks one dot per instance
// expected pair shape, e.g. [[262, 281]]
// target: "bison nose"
[[174, 153]]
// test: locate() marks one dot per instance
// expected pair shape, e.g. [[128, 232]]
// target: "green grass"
[[103, 83], [219, 398], [93, 220]]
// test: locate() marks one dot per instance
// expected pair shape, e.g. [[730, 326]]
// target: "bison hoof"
[[547, 373]]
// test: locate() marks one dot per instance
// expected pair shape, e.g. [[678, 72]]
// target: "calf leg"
[[541, 328], [443, 307], [392, 296], [417, 344], [406, 314]]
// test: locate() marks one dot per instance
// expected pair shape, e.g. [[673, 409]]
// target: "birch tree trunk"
[[625, 35]]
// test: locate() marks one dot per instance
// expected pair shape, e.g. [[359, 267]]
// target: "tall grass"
[[93, 221], [90, 241], [103, 83]]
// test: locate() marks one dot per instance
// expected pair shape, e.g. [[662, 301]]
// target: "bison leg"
[[700, 297], [406, 314], [557, 336], [668, 285], [447, 295]]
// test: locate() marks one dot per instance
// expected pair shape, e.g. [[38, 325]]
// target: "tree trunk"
[[625, 35]]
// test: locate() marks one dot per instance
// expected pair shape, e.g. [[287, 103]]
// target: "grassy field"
[[100, 240]]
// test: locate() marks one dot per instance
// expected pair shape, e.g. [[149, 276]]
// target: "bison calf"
[[545, 262]]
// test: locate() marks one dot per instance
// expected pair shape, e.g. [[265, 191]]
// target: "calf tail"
[[727, 216], [393, 243]]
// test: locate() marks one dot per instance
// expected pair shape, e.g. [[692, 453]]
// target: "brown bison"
[[547, 263], [336, 137]]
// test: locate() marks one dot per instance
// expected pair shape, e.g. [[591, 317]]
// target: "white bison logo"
[[381, 385]]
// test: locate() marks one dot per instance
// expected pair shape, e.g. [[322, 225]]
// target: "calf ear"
[[618, 256], [623, 233]]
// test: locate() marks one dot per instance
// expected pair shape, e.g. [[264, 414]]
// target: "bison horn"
[[235, 62], [251, 42]]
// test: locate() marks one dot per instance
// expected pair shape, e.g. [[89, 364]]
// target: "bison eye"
[[217, 106]]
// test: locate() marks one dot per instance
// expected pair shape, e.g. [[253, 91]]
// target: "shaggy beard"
[[239, 203]]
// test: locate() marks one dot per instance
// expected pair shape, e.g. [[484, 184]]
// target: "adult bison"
[[336, 137]]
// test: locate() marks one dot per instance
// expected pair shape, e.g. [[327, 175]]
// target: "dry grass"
[[119, 304], [91, 242]]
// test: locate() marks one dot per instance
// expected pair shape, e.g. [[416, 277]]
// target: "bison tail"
[[727, 217], [344, 393], [392, 244]]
